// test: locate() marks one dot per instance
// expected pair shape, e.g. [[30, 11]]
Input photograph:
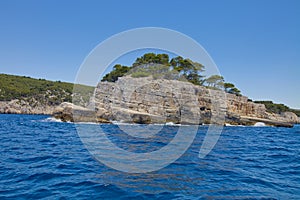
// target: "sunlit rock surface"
[[144, 100]]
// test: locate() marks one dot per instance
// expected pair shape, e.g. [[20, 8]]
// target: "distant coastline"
[[25, 95]]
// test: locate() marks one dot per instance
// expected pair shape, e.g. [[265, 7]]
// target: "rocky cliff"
[[144, 100], [20, 106]]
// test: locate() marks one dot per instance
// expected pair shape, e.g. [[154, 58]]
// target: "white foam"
[[259, 124], [135, 124], [172, 124], [91, 123], [234, 125], [51, 119], [123, 123]]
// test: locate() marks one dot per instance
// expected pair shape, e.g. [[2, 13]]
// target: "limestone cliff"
[[144, 100], [19, 106]]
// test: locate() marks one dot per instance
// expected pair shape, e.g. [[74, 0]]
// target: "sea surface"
[[44, 159]]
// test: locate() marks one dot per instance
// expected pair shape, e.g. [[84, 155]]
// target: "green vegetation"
[[43, 91], [147, 58], [178, 68], [117, 72], [155, 70], [297, 112], [278, 108], [190, 70], [215, 81], [230, 88]]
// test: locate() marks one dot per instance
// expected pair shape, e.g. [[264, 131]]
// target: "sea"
[[42, 158]]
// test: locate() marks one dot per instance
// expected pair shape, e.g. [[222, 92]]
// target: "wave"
[[172, 124], [134, 124], [88, 123], [259, 124], [235, 125], [51, 119]]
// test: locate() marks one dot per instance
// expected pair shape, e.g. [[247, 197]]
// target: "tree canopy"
[[152, 58], [230, 88], [215, 81], [118, 71], [178, 68]]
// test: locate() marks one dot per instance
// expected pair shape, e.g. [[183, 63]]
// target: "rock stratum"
[[145, 101]]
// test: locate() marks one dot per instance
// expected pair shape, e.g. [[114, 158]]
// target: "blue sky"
[[255, 43]]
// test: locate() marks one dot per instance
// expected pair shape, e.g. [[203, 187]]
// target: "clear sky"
[[255, 43]]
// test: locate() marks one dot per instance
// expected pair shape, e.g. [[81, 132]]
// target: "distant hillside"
[[278, 108], [46, 92]]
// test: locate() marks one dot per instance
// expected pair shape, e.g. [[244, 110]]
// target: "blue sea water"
[[42, 159]]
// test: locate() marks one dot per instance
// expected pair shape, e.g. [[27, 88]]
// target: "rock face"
[[70, 112], [18, 106], [144, 100]]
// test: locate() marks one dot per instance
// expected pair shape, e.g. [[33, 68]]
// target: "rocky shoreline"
[[18, 106], [146, 101]]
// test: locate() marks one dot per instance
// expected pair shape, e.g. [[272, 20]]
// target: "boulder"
[[73, 113]]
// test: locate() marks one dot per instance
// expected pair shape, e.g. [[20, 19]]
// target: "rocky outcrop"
[[70, 112], [144, 100], [246, 120], [19, 106], [33, 106]]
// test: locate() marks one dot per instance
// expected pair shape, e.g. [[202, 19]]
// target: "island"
[[154, 89]]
